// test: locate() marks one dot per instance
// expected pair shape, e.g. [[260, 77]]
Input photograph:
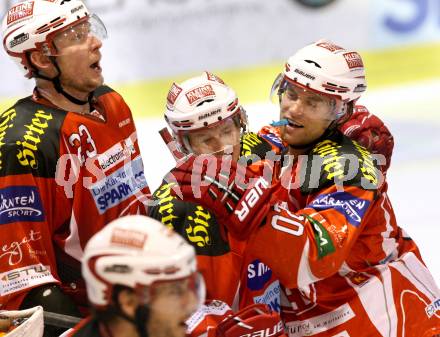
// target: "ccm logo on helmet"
[[251, 198], [269, 332]]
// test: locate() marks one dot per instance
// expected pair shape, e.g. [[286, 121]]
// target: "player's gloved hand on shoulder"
[[254, 320], [238, 198], [370, 131]]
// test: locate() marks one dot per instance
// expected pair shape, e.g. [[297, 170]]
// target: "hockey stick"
[[172, 145], [59, 320]]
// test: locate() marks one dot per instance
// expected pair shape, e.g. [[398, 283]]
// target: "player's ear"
[[42, 62], [128, 301]]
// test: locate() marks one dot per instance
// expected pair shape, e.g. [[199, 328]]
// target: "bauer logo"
[[352, 208], [20, 11], [258, 275], [20, 203], [119, 186]]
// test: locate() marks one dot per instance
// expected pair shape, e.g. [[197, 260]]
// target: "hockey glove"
[[369, 131], [254, 320], [238, 198]]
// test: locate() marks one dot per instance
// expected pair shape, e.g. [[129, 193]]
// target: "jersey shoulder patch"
[[254, 147], [340, 161], [29, 138], [193, 222]]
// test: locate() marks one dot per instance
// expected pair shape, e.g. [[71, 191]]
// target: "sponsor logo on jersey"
[[20, 11], [23, 278], [258, 275], [249, 141], [352, 208], [271, 296], [30, 140], [119, 186], [366, 165], [358, 278], [166, 207], [321, 323], [323, 240], [128, 238], [199, 93], [116, 154], [20, 203], [354, 60], [197, 228], [6, 122], [15, 250], [433, 308]]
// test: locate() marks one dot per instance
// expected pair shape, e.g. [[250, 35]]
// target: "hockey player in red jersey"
[[207, 119], [327, 228], [69, 156], [142, 281]]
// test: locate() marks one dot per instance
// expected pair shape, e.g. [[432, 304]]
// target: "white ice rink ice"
[[413, 116]]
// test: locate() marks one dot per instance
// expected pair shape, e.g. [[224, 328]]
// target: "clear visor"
[[216, 139], [76, 34], [186, 294], [312, 103]]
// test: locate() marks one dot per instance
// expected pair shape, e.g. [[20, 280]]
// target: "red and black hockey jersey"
[[231, 274], [63, 176]]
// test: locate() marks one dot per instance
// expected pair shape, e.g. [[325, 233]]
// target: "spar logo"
[[119, 186], [20, 203]]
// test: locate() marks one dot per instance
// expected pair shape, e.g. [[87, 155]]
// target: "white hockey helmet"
[[136, 251], [30, 322], [32, 25], [327, 69], [201, 102]]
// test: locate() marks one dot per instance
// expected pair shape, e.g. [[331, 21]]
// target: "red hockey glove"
[[238, 198], [369, 131], [254, 320]]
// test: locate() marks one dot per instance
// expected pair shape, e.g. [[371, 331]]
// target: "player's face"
[[79, 60], [172, 303], [308, 113], [217, 140]]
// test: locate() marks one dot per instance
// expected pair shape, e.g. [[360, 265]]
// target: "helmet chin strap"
[[139, 321], [58, 87]]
